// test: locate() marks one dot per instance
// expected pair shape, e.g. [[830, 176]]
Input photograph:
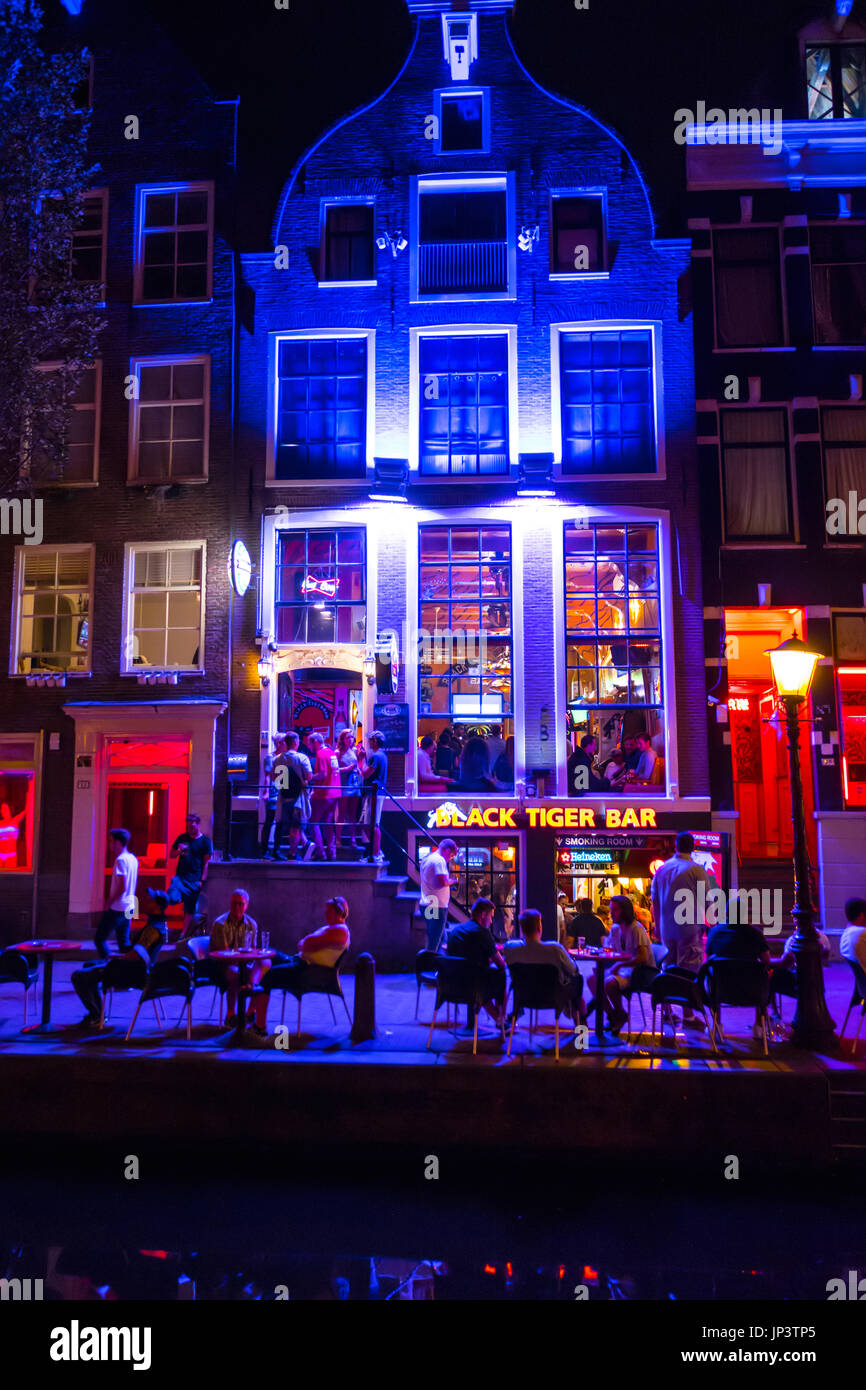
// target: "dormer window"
[[463, 120], [836, 80], [460, 41]]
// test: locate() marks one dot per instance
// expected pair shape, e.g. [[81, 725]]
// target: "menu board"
[[392, 720]]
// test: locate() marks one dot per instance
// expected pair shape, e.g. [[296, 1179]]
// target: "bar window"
[[18, 762], [169, 424], [577, 240], [321, 408], [607, 402], [755, 475], [165, 607], [348, 242], [54, 600], [613, 643], [465, 687], [321, 586], [484, 868], [463, 392], [748, 287], [839, 284], [175, 244]]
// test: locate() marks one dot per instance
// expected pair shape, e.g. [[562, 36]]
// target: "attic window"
[[836, 81], [460, 42]]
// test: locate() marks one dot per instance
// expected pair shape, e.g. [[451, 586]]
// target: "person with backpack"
[[293, 773]]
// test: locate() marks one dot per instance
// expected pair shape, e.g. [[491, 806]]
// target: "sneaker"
[[617, 1019], [378, 859], [258, 1032], [158, 895], [309, 852]]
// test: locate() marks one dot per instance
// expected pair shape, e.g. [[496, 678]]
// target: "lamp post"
[[793, 668]]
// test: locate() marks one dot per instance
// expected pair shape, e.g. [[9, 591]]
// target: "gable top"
[[433, 7]]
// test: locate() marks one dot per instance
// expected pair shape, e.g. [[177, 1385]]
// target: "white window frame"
[[334, 202], [142, 192], [133, 477], [741, 543], [654, 327], [573, 191], [470, 91], [469, 330], [18, 593], [131, 549], [463, 183], [274, 340], [96, 408]]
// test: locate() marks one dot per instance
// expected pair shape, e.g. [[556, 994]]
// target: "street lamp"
[[793, 668]]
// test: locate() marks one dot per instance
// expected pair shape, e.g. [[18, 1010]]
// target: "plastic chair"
[[317, 979], [16, 968], [461, 982], [739, 983], [641, 983], [426, 969], [858, 997], [169, 979], [534, 987], [674, 986], [120, 974]]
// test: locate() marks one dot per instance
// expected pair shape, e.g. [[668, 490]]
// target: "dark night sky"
[[633, 64]]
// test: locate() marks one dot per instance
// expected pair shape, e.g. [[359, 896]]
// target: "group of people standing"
[[466, 762], [318, 796]]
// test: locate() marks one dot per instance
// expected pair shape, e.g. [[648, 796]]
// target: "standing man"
[[677, 911], [436, 882], [271, 791], [122, 902], [293, 773], [193, 853], [326, 788], [374, 775]]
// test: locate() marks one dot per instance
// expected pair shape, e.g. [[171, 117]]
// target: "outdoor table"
[[601, 959], [47, 949], [243, 959]]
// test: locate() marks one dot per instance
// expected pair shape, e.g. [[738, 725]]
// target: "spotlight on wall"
[[395, 242], [536, 476], [389, 481]]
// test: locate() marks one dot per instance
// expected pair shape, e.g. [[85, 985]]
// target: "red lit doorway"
[[759, 750], [148, 795]]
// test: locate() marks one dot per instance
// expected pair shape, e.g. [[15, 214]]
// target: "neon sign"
[[738, 702], [449, 816], [312, 587]]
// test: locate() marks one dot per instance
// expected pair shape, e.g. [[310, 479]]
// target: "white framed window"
[[578, 234], [607, 399], [89, 240], [463, 238], [347, 248], [463, 401], [173, 243], [462, 120], [169, 419], [53, 601], [164, 607], [79, 466], [321, 406]]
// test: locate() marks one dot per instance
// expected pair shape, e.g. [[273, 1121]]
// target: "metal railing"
[[462, 267]]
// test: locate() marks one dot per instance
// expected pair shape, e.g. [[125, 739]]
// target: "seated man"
[[229, 933], [580, 768], [473, 941], [740, 941], [87, 981], [322, 947], [628, 936], [533, 951], [783, 972], [646, 761]]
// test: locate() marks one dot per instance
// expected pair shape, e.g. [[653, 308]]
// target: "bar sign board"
[[392, 721]]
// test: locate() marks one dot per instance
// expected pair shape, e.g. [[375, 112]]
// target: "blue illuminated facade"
[[465, 309]]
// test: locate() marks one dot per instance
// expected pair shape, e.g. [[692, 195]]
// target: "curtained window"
[[839, 283], [748, 287], [755, 475], [844, 435]]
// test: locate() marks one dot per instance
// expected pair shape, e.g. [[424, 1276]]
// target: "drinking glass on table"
[[249, 940], [581, 942], [266, 940]]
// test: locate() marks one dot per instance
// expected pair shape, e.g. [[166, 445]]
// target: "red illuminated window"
[[17, 800]]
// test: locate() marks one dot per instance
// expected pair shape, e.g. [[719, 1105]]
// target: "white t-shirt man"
[[852, 945], [124, 879], [435, 866]]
